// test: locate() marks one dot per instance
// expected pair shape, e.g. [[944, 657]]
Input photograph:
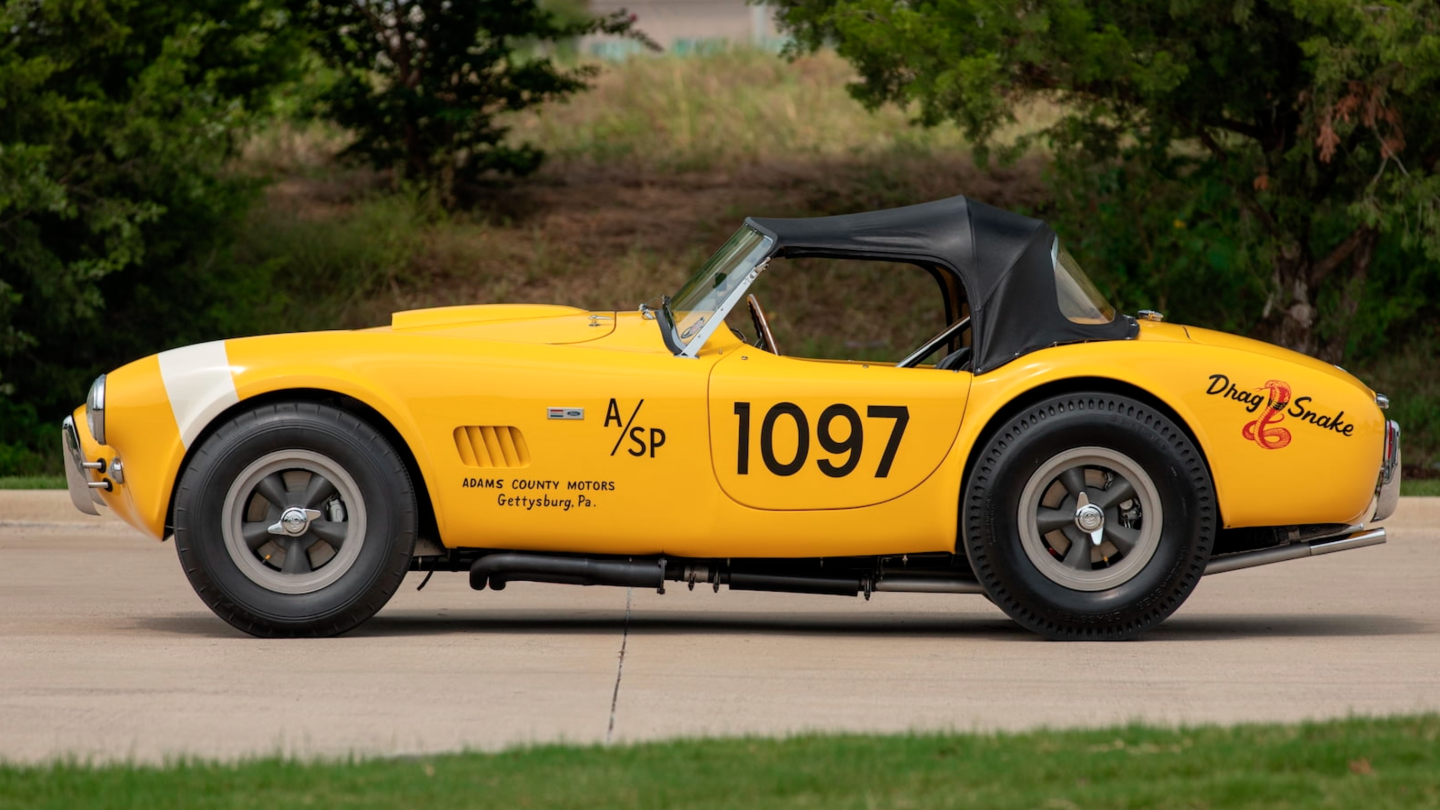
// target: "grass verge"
[[1423, 487], [32, 482], [1372, 763]]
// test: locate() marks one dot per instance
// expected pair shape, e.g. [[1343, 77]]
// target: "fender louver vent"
[[491, 447]]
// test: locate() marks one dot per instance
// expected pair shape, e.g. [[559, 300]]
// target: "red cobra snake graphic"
[[1260, 431]]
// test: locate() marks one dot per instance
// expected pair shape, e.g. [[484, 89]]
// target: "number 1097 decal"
[[851, 447]]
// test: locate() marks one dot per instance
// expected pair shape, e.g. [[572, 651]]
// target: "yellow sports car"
[[1081, 468]]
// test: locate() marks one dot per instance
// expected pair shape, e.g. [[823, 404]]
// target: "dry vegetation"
[[647, 174]]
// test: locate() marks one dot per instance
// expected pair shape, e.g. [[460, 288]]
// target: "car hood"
[[532, 323]]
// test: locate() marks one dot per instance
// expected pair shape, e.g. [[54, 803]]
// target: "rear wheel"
[[295, 519], [1089, 516]]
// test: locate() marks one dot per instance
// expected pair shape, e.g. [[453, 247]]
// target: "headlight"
[[95, 409]]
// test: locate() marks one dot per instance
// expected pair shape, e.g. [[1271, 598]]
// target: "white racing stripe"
[[199, 383]]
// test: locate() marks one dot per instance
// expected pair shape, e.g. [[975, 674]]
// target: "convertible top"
[[1004, 261]]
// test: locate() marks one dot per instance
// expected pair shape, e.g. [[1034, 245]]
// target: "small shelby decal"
[[1263, 430], [565, 413]]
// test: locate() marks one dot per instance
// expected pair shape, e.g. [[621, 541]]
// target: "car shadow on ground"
[[1313, 625], [940, 626], [409, 623], [694, 623]]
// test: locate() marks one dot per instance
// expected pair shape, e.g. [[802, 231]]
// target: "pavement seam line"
[[619, 669]]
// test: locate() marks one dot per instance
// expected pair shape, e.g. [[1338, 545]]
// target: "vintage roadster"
[[1081, 468]]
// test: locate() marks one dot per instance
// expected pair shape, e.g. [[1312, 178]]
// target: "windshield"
[[705, 300], [1080, 301]]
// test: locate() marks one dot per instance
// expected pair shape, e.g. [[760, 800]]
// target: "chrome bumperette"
[[1387, 488], [1382, 401], [75, 479]]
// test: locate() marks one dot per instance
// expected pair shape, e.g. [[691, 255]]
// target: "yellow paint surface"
[[654, 465]]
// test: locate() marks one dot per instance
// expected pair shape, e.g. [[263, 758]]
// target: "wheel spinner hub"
[[1089, 518], [294, 521]]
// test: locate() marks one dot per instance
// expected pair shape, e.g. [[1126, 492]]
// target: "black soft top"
[[1004, 261]]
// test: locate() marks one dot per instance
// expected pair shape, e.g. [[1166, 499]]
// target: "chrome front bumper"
[[77, 480], [1387, 489]]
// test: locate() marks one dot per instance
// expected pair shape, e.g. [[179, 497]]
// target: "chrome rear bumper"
[[1387, 489], [75, 478]]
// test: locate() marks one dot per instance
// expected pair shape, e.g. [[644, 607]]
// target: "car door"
[[795, 434]]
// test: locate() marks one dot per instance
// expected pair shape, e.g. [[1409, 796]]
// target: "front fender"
[[161, 406]]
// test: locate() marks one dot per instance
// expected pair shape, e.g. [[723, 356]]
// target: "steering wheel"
[[762, 326]]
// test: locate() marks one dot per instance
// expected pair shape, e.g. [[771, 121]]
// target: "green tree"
[[1277, 146], [116, 117], [424, 83]]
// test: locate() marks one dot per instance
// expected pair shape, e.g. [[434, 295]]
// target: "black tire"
[[253, 593], [1022, 569]]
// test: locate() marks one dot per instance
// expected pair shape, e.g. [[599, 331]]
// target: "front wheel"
[[1089, 516], [295, 519]]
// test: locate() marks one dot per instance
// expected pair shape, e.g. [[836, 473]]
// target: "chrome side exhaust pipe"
[[913, 584], [1295, 551]]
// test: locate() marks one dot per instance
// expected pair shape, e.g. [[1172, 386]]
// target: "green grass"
[[1407, 375], [1351, 763], [32, 482], [1426, 487]]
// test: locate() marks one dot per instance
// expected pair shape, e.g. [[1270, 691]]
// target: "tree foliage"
[[1256, 157], [115, 119], [424, 83]]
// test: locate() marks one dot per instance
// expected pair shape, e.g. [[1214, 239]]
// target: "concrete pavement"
[[106, 653]]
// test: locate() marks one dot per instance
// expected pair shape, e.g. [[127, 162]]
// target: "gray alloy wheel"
[[1057, 475], [294, 521], [1090, 518]]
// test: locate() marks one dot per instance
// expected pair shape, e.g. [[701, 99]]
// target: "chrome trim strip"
[[1295, 551], [75, 480]]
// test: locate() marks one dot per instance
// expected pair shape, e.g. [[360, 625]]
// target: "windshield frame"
[[741, 267]]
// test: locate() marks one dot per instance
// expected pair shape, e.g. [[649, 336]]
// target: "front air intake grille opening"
[[487, 446]]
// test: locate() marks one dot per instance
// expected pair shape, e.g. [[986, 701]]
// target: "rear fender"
[[1314, 460]]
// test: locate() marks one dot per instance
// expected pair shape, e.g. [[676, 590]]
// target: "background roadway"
[[106, 653]]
